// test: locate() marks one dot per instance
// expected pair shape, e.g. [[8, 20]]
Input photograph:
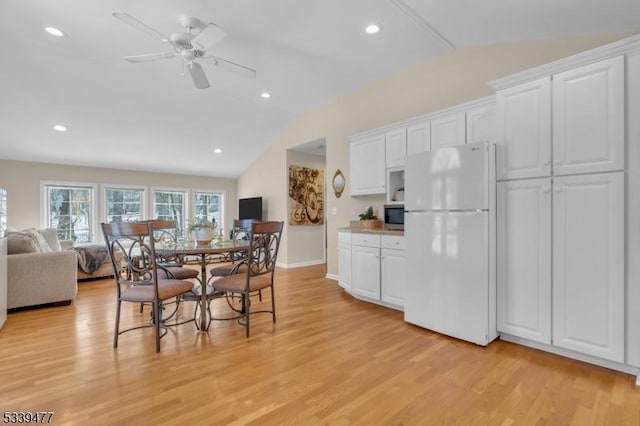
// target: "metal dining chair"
[[132, 252], [264, 240]]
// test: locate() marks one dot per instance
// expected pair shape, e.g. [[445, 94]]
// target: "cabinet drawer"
[[344, 237], [392, 242], [366, 240]]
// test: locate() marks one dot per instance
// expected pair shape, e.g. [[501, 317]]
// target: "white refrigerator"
[[450, 232]]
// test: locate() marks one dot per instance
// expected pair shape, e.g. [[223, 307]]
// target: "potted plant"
[[369, 219], [202, 230]]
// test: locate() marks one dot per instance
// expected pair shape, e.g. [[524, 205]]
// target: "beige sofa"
[[39, 270], [39, 278]]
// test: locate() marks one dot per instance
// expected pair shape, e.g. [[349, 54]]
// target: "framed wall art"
[[306, 196]]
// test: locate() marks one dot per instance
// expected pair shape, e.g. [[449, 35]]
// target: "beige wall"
[[22, 182], [306, 243], [446, 80]]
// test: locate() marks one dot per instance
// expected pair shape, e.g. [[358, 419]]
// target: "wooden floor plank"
[[329, 359]]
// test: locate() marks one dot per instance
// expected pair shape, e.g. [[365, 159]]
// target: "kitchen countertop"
[[377, 231]]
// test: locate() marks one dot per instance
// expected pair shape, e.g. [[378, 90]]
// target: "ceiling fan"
[[189, 46]]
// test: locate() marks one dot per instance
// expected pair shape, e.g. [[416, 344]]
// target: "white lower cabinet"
[[588, 269], [524, 259], [344, 260], [365, 255], [561, 262], [393, 270], [378, 268]]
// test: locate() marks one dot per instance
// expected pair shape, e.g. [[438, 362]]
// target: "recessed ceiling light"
[[217, 150], [60, 127], [265, 95], [373, 28], [54, 31]]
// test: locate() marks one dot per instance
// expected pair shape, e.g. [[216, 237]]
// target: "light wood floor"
[[329, 359]]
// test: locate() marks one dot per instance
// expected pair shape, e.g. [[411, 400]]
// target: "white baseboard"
[[301, 264], [333, 277], [625, 368]]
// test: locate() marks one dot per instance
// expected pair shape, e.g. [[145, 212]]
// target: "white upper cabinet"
[[588, 269], [524, 259], [524, 130], [481, 124], [367, 165], [449, 130], [588, 118], [419, 137], [396, 147]]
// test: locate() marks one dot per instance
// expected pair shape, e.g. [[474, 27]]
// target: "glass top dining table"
[[191, 248]]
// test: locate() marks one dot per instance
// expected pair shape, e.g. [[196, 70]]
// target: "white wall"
[[22, 182], [446, 80], [306, 243]]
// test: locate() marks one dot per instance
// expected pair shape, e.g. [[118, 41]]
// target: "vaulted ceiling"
[[149, 116]]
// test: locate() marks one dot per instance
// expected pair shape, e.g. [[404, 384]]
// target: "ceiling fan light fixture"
[[373, 28], [217, 151], [60, 127], [54, 31], [265, 95]]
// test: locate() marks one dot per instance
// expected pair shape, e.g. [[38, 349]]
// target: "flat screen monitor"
[[250, 208]]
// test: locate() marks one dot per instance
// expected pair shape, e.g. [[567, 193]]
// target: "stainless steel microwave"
[[394, 216]]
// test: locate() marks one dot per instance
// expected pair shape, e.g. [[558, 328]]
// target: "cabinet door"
[[396, 147], [367, 165], [344, 266], [393, 267], [524, 130], [481, 124], [524, 259], [449, 130], [588, 118], [419, 137], [588, 268], [365, 271]]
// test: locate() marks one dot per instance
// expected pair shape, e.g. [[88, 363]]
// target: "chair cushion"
[[166, 290], [178, 272], [236, 283]]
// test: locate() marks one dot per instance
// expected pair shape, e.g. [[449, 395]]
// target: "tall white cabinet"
[[344, 260], [561, 208]]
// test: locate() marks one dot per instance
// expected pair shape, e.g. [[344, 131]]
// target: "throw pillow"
[[38, 240], [51, 236], [17, 244]]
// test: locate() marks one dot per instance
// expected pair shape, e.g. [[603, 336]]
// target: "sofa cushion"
[[51, 236], [40, 242], [17, 244]]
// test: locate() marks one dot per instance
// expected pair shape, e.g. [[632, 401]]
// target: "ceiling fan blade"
[[238, 69], [149, 57], [198, 75], [139, 25], [210, 35]]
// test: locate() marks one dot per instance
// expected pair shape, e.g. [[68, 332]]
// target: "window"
[[170, 205], [69, 208], [124, 204], [209, 205], [3, 211]]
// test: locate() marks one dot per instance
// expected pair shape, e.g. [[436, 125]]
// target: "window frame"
[[144, 199], [93, 204], [220, 225], [186, 193]]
